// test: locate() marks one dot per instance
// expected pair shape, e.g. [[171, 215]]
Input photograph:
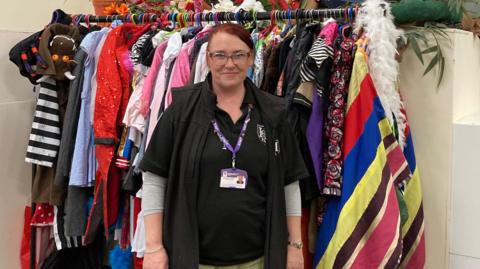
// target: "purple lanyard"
[[224, 140]]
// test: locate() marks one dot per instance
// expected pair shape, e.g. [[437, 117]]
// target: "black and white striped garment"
[[61, 240], [314, 59], [136, 53], [44, 140]]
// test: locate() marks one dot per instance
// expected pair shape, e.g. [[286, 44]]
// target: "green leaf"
[[414, 34], [430, 50], [432, 63], [422, 37], [439, 32], [442, 69], [416, 49]]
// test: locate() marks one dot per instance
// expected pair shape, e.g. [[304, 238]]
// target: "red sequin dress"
[[113, 92]]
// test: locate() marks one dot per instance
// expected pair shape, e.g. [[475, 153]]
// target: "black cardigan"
[[189, 118]]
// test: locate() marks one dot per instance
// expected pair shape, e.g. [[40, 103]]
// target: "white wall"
[[31, 15], [446, 151], [18, 20], [465, 236], [430, 117], [464, 249]]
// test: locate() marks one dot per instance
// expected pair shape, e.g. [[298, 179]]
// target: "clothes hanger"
[[311, 21], [286, 26], [237, 17], [199, 19], [74, 17], [187, 19], [217, 18], [173, 20], [223, 17], [87, 21], [277, 28], [178, 20], [329, 18], [191, 18], [78, 19], [134, 20], [272, 25], [181, 20], [256, 27]]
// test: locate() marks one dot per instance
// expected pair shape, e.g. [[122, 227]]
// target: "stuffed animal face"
[[62, 50]]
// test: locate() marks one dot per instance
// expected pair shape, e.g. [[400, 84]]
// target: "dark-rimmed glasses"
[[221, 58]]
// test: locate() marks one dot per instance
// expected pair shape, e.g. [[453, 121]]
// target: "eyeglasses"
[[221, 58]]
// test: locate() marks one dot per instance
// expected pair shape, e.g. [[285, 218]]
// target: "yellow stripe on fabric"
[[359, 71], [413, 249], [413, 199], [385, 128], [353, 209], [373, 226]]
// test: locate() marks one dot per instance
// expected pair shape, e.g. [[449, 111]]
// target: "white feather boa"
[[229, 6], [376, 19]]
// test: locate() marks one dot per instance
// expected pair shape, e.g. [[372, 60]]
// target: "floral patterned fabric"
[[339, 82]]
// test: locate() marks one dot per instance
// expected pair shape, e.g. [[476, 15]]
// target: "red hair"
[[232, 29]]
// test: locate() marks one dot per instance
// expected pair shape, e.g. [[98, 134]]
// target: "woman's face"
[[228, 58]]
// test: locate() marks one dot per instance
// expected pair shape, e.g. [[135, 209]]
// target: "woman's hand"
[[156, 260], [294, 258]]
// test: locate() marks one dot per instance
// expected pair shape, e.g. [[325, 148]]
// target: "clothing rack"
[[241, 16]]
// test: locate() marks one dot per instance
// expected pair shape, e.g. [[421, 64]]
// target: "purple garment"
[[317, 68], [315, 134]]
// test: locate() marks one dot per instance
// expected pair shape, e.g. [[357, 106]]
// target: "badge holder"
[[233, 178]]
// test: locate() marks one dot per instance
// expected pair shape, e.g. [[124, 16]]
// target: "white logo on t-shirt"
[[261, 133]]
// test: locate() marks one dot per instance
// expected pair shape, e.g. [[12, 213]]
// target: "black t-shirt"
[[231, 221]]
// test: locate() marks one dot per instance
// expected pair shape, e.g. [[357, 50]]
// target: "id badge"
[[233, 178]]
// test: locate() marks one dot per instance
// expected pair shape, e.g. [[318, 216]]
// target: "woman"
[[226, 165]]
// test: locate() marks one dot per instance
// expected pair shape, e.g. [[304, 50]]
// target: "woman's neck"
[[230, 101], [230, 97]]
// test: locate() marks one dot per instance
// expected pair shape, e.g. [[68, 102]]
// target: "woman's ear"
[[207, 57]]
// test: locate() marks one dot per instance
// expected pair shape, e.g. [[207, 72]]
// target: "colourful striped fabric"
[[413, 230], [363, 227]]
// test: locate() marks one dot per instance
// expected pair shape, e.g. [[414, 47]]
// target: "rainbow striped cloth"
[[378, 220]]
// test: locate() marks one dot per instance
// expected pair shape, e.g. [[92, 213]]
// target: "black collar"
[[211, 98]]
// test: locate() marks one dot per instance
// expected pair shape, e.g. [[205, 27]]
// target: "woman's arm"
[[153, 196], [294, 211], [294, 215]]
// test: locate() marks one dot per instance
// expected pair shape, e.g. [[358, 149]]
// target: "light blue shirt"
[[250, 72], [84, 164]]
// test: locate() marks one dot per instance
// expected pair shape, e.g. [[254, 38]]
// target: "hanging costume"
[[375, 210], [335, 119], [113, 91], [374, 167]]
